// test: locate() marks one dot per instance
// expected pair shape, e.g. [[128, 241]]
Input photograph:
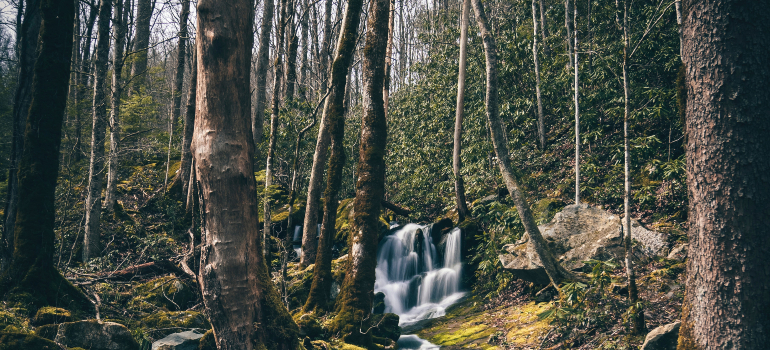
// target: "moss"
[[49, 315], [20, 341], [277, 329], [47, 331], [386, 326], [309, 326], [462, 335], [545, 209], [11, 318], [207, 342], [346, 346], [167, 292]]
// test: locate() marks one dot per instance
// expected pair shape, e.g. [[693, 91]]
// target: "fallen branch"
[[395, 208]]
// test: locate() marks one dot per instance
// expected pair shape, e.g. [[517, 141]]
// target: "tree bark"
[[726, 303], [189, 124], [121, 25], [389, 55], [568, 23], [543, 22], [355, 299], [32, 270], [144, 10], [83, 81], [93, 205], [462, 206], [292, 41], [263, 58], [577, 117], [334, 118], [178, 82], [637, 319], [240, 299], [556, 273], [540, 118], [27, 40]]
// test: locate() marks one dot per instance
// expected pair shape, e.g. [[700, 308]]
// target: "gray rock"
[[179, 341], [94, 335], [652, 243], [662, 338], [576, 234]]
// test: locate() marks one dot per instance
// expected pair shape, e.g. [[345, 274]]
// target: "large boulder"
[[662, 338], [188, 340], [576, 234], [95, 335]]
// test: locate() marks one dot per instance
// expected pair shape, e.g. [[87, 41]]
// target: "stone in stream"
[[188, 340], [662, 338], [579, 233]]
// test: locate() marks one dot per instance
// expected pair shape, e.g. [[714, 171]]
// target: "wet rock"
[[47, 331], [387, 326], [576, 234], [51, 315], [379, 303], [188, 340], [662, 338], [93, 335]]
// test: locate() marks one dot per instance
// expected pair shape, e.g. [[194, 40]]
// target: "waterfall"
[[419, 281]]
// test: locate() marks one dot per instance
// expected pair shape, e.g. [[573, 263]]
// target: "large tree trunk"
[[28, 36], [462, 206], [389, 55], [355, 299], [334, 119], [726, 302], [121, 24], [240, 299], [189, 124], [144, 10], [178, 82], [555, 272], [274, 111], [637, 319], [543, 22], [540, 118], [32, 270], [93, 205], [292, 41], [263, 57]]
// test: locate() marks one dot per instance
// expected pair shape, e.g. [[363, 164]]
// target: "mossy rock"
[[309, 326], [161, 324], [207, 342], [10, 318], [545, 209], [167, 292], [379, 303], [47, 331], [96, 335], [22, 341], [51, 315], [386, 326]]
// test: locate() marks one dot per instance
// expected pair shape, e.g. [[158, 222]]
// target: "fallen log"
[[395, 208]]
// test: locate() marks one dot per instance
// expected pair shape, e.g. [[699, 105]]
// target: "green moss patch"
[[51, 315], [21, 341], [169, 293]]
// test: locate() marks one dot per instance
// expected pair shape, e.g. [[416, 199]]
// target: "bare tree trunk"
[[263, 58], [577, 118], [141, 42], [32, 269], [568, 23], [637, 320], [309, 227], [189, 123], [83, 79], [275, 110], [303, 66], [178, 82], [292, 41], [93, 207], [540, 117], [389, 55], [333, 118], [543, 22], [462, 206], [240, 299], [555, 272], [28, 35], [121, 25], [355, 299], [726, 302]]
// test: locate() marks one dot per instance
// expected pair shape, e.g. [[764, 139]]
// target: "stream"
[[420, 278]]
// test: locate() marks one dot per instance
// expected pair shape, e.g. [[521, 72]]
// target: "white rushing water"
[[419, 281]]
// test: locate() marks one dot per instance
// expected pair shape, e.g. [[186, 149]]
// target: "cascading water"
[[419, 281]]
